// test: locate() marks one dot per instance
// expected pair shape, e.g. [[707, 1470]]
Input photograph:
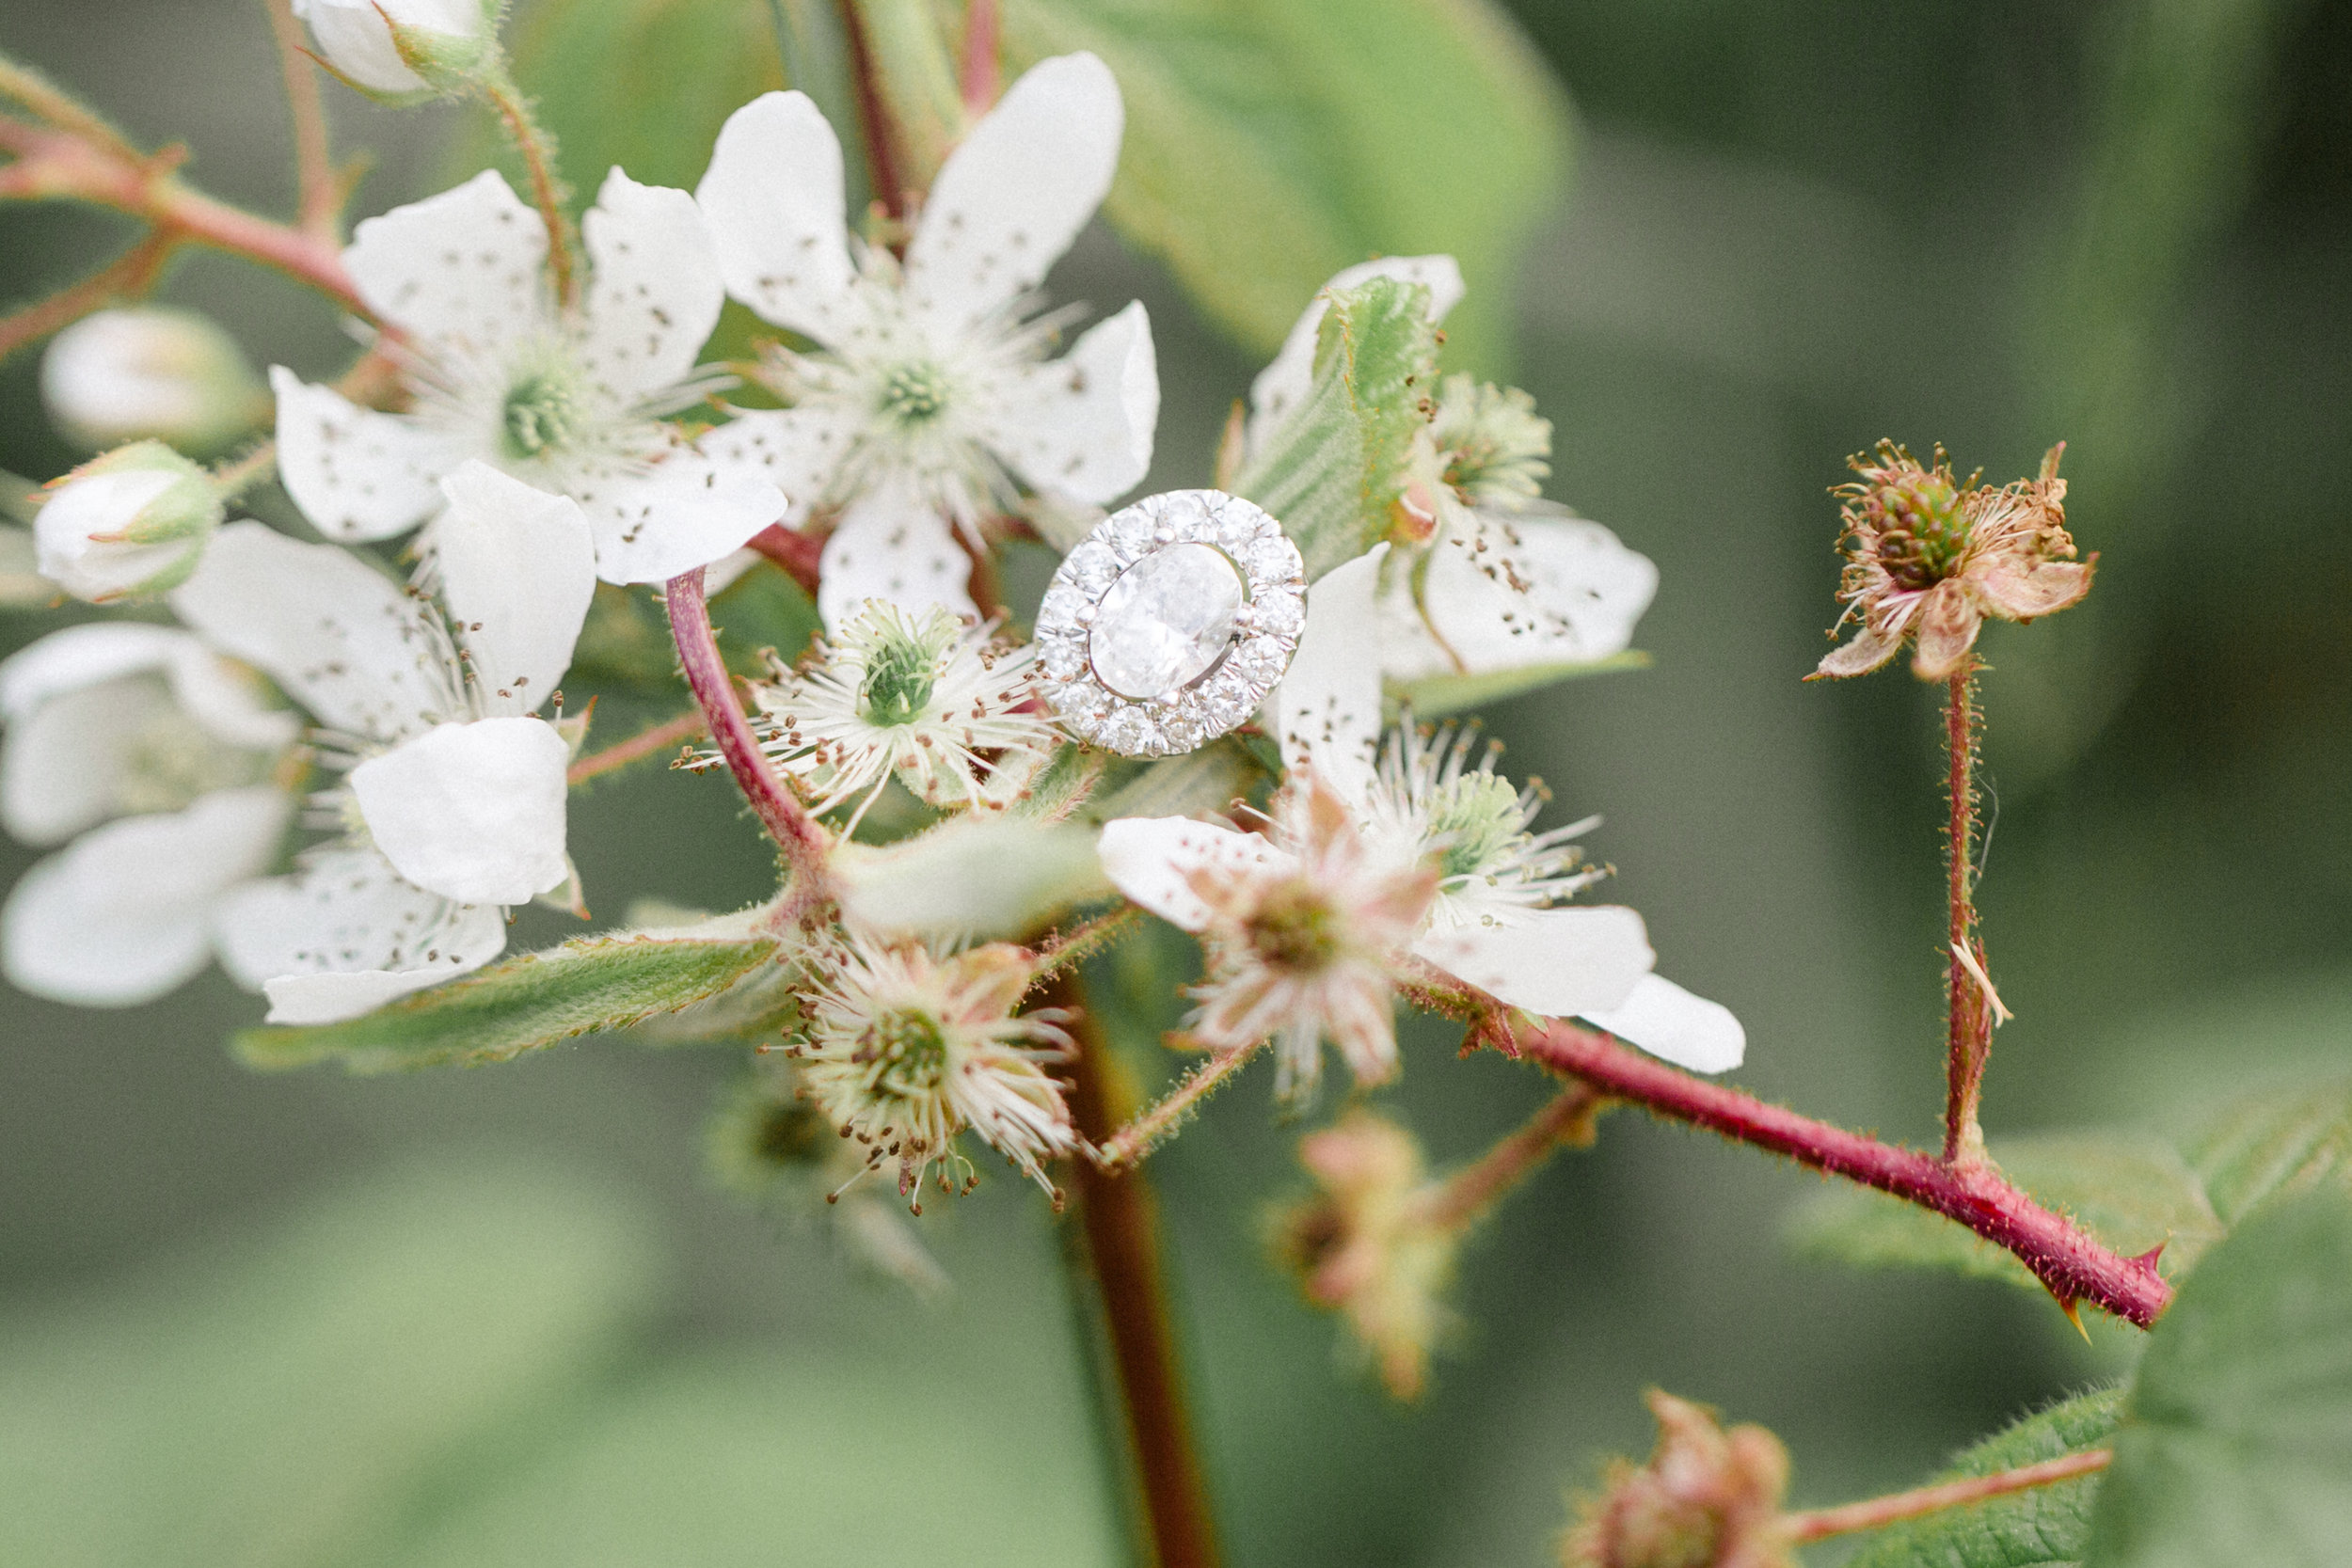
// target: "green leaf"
[[762, 608], [2043, 1528], [1272, 142], [2130, 1192], [1436, 696], [625, 640], [582, 988], [984, 876], [2280, 1140], [282, 1402], [2236, 1444], [1199, 782], [1332, 472]]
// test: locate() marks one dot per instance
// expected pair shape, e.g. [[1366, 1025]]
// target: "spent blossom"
[[568, 399], [1929, 558], [452, 800], [917, 695], [1707, 1497], [903, 1050], [159, 765], [930, 401]]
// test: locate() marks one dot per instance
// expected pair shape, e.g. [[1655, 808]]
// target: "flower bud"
[[151, 372], [1707, 1499], [130, 522], [401, 50]]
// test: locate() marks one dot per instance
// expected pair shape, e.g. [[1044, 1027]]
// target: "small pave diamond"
[[1170, 624]]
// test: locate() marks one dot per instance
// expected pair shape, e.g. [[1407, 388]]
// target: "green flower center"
[[542, 411], [1474, 820], [173, 762], [1295, 929], [914, 393], [907, 1048], [1924, 536], [898, 678]]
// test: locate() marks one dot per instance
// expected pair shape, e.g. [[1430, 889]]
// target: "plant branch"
[[1970, 1021], [2073, 1266], [981, 76], [884, 172], [1874, 1512], [547, 190], [685, 727], [1121, 1233], [321, 193], [47, 102], [129, 276], [1463, 1196], [1140, 1136], [803, 842]]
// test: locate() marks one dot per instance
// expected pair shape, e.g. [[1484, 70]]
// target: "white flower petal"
[[462, 272], [889, 545], [516, 568], [344, 640], [229, 701], [773, 198], [1674, 1025], [798, 449], [1554, 962], [125, 915], [356, 473], [1013, 196], [1326, 710], [652, 522], [1283, 384], [85, 656], [1081, 426], [62, 765], [472, 811], [1150, 860], [653, 293], [1516, 588], [346, 934]]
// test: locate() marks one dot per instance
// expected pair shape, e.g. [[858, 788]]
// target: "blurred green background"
[[501, 1316]]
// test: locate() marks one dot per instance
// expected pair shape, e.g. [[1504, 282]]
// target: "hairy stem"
[[803, 842], [322, 194], [235, 477], [982, 70], [547, 190], [1469, 1193], [1121, 1231], [661, 737], [1874, 1512], [1141, 1134], [2073, 1266], [1970, 1020]]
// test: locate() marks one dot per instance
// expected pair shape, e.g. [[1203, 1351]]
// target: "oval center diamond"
[[1165, 623]]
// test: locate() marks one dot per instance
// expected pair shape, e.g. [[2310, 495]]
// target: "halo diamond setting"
[[1171, 623]]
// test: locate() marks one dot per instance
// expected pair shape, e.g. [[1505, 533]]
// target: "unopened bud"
[[401, 50], [150, 371], [130, 522], [1707, 1499]]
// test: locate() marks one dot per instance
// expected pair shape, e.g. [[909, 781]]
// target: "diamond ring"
[[1170, 624]]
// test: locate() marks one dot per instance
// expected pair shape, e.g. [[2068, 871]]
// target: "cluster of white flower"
[[534, 440]]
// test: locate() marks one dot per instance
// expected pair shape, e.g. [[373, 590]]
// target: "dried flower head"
[[1706, 1499], [903, 1051], [922, 695], [1365, 1246], [1929, 558], [1303, 942]]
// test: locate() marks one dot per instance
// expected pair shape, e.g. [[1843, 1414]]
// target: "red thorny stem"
[[981, 77], [1122, 1230], [803, 842], [1877, 1512], [1970, 1016], [2068, 1262], [885, 176]]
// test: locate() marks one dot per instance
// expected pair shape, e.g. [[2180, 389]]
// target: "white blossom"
[[1504, 580], [130, 522], [453, 800], [568, 400], [946, 709], [1497, 928], [149, 371], [930, 396], [156, 758], [362, 40]]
